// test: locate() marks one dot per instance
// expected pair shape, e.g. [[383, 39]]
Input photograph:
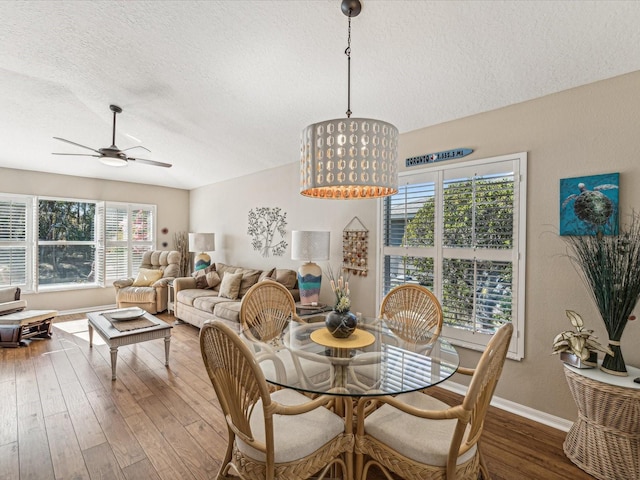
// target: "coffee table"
[[115, 338]]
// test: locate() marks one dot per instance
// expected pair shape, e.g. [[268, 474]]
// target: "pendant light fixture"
[[349, 158]]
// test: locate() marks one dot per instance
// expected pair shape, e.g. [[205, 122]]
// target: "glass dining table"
[[373, 361]]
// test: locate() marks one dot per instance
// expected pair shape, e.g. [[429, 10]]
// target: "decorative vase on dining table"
[[341, 324]]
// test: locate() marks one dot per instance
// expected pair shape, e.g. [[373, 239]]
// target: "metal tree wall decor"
[[264, 224]]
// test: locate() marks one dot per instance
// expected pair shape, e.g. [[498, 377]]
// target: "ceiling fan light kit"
[[349, 158], [113, 156]]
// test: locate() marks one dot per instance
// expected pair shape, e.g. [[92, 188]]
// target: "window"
[[459, 230], [129, 232], [54, 243], [15, 252], [66, 242]]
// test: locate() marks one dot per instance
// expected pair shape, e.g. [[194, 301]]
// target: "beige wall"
[[172, 208], [584, 131]]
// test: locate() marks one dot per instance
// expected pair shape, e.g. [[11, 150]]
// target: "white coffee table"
[[115, 338]]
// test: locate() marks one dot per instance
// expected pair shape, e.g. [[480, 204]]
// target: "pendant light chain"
[[347, 52]]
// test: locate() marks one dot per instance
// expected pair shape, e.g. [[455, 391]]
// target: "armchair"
[[149, 289]]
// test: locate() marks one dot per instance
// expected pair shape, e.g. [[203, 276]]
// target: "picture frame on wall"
[[589, 205]]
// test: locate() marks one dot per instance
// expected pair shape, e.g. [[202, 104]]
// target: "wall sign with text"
[[438, 157]]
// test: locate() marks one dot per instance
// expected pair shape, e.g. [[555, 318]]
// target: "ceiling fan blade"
[[137, 146], [78, 154], [77, 144], [150, 162]]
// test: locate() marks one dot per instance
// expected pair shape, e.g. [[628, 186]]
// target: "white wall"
[[172, 210], [584, 131]]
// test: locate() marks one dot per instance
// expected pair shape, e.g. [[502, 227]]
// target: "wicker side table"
[[605, 440]]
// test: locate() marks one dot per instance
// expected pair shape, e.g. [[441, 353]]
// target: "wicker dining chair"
[[265, 312], [417, 436], [412, 312], [279, 435], [267, 308]]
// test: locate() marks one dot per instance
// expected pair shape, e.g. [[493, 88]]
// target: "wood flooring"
[[61, 416]]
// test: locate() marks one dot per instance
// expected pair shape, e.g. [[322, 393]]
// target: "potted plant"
[[341, 322], [578, 348], [610, 266]]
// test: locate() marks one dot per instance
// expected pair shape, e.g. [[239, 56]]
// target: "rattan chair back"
[[241, 389], [469, 417], [237, 379], [480, 392], [412, 312], [266, 310]]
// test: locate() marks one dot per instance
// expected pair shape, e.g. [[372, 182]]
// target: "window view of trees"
[[477, 219], [66, 242]]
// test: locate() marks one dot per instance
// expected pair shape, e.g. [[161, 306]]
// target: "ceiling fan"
[[112, 155]]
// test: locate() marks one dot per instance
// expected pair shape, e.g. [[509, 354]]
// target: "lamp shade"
[[349, 158], [309, 245], [202, 242]]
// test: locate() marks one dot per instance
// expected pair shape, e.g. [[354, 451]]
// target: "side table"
[[605, 440], [171, 298]]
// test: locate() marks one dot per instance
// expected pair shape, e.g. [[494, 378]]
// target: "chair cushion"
[[147, 277], [230, 285], [137, 295], [423, 440], [295, 436]]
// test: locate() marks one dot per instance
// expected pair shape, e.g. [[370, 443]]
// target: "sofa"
[[149, 290], [216, 292]]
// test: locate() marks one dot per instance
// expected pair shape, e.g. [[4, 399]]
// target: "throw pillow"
[[230, 285], [204, 271], [249, 279], [288, 278], [147, 277], [266, 274], [210, 280]]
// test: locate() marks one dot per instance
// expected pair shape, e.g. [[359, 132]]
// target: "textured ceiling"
[[223, 88]]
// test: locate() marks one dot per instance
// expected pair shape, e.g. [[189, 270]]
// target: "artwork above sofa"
[[217, 291]]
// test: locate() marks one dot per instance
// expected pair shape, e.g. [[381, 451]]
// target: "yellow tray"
[[358, 339]]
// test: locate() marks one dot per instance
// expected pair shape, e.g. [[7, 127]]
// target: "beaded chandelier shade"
[[349, 158]]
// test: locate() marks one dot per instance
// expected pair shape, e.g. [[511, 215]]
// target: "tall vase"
[[341, 324], [615, 364]]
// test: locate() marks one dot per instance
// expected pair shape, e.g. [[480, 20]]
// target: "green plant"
[[610, 266], [581, 342]]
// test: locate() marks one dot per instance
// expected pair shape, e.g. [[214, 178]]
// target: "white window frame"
[[36, 244], [31, 242], [460, 337], [27, 243], [129, 242]]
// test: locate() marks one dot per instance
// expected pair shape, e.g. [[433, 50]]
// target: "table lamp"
[[309, 246], [200, 243]]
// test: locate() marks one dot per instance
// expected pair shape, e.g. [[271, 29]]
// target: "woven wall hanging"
[[355, 238]]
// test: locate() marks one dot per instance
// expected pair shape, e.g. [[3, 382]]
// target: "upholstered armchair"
[[149, 290]]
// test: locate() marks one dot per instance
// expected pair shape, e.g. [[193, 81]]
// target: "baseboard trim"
[[516, 408]]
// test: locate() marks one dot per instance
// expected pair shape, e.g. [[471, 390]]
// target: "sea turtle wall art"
[[589, 205]]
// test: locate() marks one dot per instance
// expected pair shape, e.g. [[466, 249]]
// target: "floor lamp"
[[200, 243], [309, 246]]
